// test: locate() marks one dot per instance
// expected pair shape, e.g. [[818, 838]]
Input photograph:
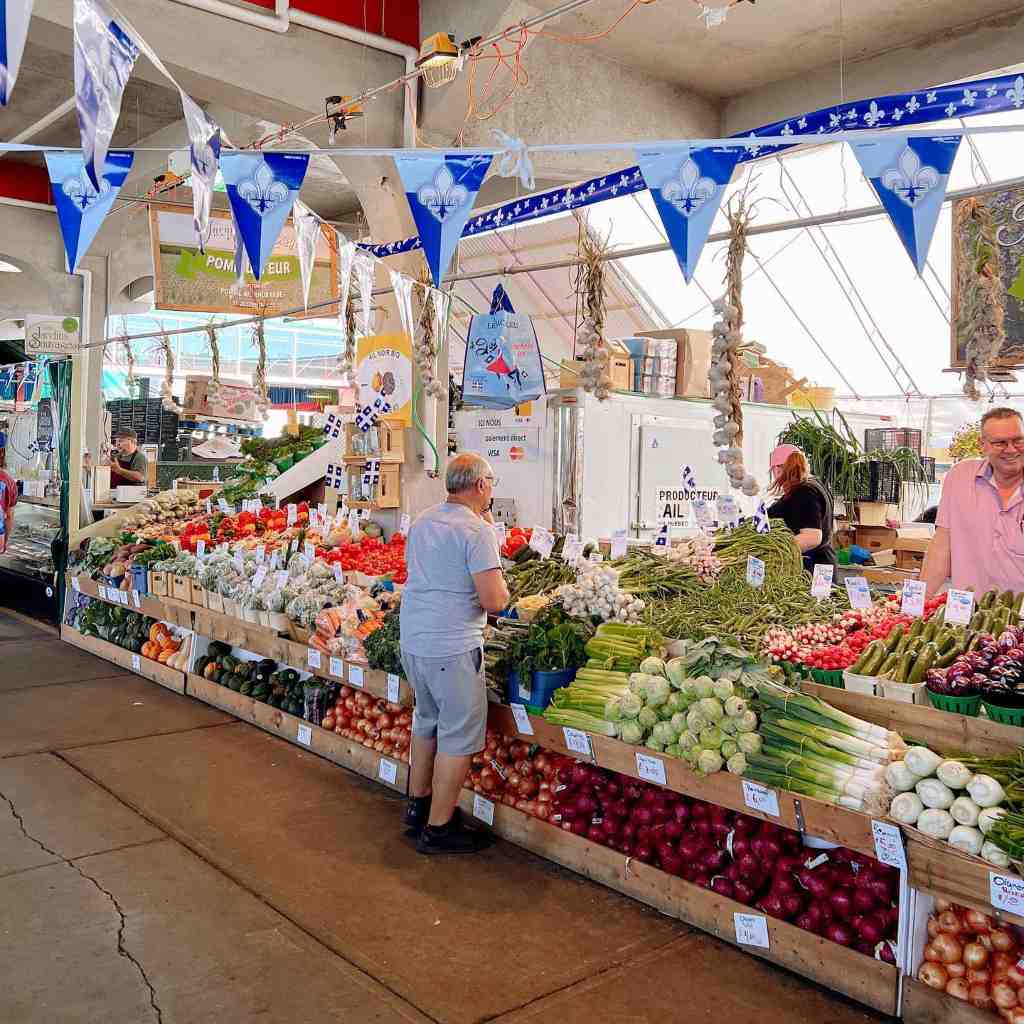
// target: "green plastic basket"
[[958, 705], [286, 463], [799, 670], [826, 677], [1007, 716]]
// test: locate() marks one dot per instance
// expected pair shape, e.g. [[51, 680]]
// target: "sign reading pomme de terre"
[[52, 335], [187, 279]]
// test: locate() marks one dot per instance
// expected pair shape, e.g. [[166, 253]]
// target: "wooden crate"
[[142, 603], [310, 659], [180, 589], [875, 538], [197, 596], [924, 1005], [836, 824], [171, 678], [860, 977], [177, 612], [392, 442], [159, 584], [329, 745], [249, 636]]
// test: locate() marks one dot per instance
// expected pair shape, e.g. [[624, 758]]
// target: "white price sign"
[[542, 542], [339, 573], [1006, 892], [353, 522], [912, 603], [751, 930], [522, 718], [258, 577], [702, 513], [650, 768], [405, 522], [224, 506], [261, 553], [309, 549], [387, 771], [755, 571], [281, 577], [572, 548], [760, 798], [394, 688], [821, 585], [136, 663], [888, 844], [483, 809], [293, 514], [728, 509], [355, 676], [500, 533], [578, 742], [200, 548], [959, 607], [137, 599], [312, 657], [304, 734], [857, 591], [337, 667], [619, 544], [209, 507], [75, 585]]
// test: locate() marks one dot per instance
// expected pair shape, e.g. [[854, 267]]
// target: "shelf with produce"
[[134, 600], [806, 814], [355, 674], [237, 632], [337, 749], [863, 978], [172, 679]]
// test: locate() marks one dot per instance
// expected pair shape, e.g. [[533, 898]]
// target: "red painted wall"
[[401, 18], [23, 181]]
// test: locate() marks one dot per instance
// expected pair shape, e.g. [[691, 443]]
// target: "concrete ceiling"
[[768, 41]]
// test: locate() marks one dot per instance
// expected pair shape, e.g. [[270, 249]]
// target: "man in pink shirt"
[[979, 534]]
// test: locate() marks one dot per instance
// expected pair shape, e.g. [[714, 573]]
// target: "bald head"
[[465, 472]]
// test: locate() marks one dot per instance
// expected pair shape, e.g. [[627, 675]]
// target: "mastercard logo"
[[516, 454]]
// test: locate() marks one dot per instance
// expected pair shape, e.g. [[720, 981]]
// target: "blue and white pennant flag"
[[661, 541], [204, 154], [334, 476], [14, 18], [689, 481], [761, 521], [369, 415], [371, 474], [333, 426], [909, 176]]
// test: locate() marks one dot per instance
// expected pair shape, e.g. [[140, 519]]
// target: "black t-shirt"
[[808, 507]]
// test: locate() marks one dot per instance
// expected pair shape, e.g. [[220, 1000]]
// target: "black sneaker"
[[452, 838], [417, 811]]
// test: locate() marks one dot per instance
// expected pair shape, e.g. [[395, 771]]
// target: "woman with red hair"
[[804, 505]]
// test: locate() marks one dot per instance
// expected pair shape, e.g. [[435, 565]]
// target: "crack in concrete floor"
[[122, 949]]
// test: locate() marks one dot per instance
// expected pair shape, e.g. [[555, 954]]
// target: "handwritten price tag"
[[355, 675], [702, 513], [500, 533], [483, 809], [759, 798], [394, 688], [136, 663], [650, 768], [821, 585], [912, 603], [293, 514], [542, 542], [339, 573], [261, 553], [312, 657], [857, 591], [280, 578], [387, 771], [404, 523], [337, 667], [619, 545], [258, 577], [959, 607], [578, 742], [223, 506], [889, 844], [1006, 892], [353, 522], [137, 599], [572, 549], [751, 930], [200, 548], [522, 719], [304, 734], [728, 509], [309, 549], [755, 571]]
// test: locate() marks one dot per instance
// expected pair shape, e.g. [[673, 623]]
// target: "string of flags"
[[334, 477], [333, 426], [371, 475], [761, 522]]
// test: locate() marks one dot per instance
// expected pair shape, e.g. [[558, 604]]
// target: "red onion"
[[642, 815], [871, 929], [743, 893], [596, 834], [745, 826], [585, 805], [863, 900], [579, 826], [783, 884], [839, 932], [700, 810], [886, 952], [842, 905], [611, 825], [740, 844], [643, 852], [681, 811], [702, 828], [691, 849], [673, 864], [792, 904], [723, 887], [772, 905], [714, 861], [702, 879], [808, 922], [578, 776], [643, 835], [674, 829], [626, 848], [748, 864], [628, 830]]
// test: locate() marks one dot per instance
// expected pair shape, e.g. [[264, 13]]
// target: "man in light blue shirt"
[[455, 579]]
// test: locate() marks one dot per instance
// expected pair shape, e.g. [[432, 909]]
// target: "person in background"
[[804, 505], [979, 531], [928, 515], [127, 463], [455, 579], [8, 499]]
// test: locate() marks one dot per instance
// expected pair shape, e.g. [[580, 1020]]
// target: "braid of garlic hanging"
[[263, 402], [167, 399], [129, 356], [592, 348], [727, 350], [347, 360], [213, 386], [425, 342]]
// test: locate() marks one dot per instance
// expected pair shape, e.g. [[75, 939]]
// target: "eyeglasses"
[[492, 480], [1001, 446]]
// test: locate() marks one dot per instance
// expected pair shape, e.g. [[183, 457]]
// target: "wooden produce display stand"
[[170, 678]]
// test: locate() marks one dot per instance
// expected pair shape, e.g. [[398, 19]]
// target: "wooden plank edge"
[[925, 1005], [148, 605], [328, 745], [859, 977]]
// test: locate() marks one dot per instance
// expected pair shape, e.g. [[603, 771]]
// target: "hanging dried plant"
[[433, 315], [981, 314], [213, 387], [259, 336], [170, 403], [347, 360], [129, 356], [592, 349], [727, 352]]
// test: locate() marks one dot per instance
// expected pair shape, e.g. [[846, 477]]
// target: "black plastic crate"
[[928, 465], [887, 439], [878, 481]]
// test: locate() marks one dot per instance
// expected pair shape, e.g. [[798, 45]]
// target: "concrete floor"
[[160, 861]]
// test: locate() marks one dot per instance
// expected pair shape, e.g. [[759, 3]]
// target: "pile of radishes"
[[844, 896], [969, 957]]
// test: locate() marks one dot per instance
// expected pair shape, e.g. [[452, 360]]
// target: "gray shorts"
[[451, 700]]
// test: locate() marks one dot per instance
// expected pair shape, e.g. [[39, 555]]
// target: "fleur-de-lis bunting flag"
[[687, 184], [333, 426], [761, 521], [441, 189], [909, 176], [369, 415], [14, 18], [661, 541], [261, 189], [371, 475], [689, 480], [104, 57], [204, 150], [81, 208], [334, 476], [307, 234]]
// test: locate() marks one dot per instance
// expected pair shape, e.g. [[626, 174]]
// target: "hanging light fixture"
[[439, 59]]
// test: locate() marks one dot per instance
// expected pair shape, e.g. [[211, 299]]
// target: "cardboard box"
[[875, 513], [876, 538], [158, 585], [894, 577], [235, 402], [620, 370], [693, 359], [126, 493], [910, 559], [884, 559], [181, 589]]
